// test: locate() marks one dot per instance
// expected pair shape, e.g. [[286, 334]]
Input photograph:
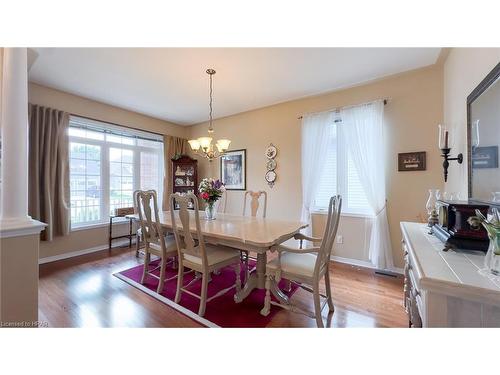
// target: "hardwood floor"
[[82, 292]]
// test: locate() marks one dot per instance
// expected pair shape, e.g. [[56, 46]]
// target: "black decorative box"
[[453, 228]]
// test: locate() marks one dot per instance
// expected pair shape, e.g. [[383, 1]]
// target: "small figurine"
[[179, 172]]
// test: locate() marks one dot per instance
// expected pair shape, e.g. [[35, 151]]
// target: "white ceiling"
[[171, 83]]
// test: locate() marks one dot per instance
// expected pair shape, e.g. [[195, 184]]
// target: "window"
[[85, 183], [107, 163], [340, 176]]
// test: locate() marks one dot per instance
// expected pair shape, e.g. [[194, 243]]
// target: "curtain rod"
[[337, 110], [114, 123]]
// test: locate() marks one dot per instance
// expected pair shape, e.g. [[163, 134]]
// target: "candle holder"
[[445, 152]]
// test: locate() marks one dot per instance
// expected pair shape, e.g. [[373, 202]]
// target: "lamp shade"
[[195, 145], [205, 142], [223, 144]]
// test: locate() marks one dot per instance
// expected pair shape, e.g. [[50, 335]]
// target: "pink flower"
[[204, 195]]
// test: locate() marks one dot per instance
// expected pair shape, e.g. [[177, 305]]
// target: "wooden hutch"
[[185, 175]]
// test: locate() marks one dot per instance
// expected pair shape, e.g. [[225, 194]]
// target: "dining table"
[[247, 233]]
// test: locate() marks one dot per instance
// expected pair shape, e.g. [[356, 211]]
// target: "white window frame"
[[105, 170], [342, 181]]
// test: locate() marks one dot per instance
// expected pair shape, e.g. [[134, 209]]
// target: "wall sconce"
[[445, 145]]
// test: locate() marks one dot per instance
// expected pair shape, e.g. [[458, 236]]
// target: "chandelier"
[[203, 146]]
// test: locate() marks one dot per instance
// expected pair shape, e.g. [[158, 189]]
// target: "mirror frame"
[[476, 93]]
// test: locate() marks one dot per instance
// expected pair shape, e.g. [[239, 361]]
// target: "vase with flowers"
[[492, 226], [211, 191]]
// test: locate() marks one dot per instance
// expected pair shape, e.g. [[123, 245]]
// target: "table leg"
[[256, 280]]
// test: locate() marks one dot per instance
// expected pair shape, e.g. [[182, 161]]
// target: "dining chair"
[[305, 267], [197, 255], [222, 203], [138, 232], [153, 236], [254, 208], [254, 202]]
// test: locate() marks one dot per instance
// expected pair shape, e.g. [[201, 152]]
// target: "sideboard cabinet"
[[446, 289]]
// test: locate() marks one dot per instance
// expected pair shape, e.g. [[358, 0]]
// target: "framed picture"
[[233, 170], [411, 161], [485, 157]]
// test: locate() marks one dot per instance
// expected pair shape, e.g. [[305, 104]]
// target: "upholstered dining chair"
[[197, 255], [305, 267], [254, 202], [153, 236]]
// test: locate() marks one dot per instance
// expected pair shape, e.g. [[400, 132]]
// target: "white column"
[[14, 130]]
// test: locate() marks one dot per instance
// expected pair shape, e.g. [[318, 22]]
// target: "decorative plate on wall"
[[271, 177], [271, 151], [271, 165]]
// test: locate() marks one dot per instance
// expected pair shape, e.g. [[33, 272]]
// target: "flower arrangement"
[[492, 226], [211, 191]]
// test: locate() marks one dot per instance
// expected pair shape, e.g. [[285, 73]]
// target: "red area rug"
[[221, 311]]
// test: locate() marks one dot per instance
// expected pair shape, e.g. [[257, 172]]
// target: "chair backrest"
[[222, 203], [134, 195], [181, 220], [254, 202], [332, 224], [146, 204]]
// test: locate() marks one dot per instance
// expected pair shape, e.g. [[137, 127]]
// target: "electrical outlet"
[[340, 238]]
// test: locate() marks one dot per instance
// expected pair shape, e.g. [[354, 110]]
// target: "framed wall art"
[[233, 170], [411, 161]]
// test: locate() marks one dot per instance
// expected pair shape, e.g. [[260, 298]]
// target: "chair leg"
[[288, 286], [203, 300], [267, 301], [161, 282], [147, 258], [180, 280], [137, 245], [329, 292], [237, 269], [317, 306]]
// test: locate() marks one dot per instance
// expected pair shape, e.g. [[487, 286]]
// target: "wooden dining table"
[[252, 234]]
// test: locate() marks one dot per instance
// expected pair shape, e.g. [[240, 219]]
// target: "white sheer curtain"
[[363, 131], [315, 134]]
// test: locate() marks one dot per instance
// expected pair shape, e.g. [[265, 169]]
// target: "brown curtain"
[[171, 147], [49, 170]]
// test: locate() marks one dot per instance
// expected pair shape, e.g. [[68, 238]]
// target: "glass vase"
[[211, 210], [492, 259]]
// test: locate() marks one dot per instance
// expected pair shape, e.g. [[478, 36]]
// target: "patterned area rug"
[[221, 311]]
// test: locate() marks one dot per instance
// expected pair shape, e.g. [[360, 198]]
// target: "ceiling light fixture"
[[203, 146]]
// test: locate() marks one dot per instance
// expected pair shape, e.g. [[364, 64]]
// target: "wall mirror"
[[483, 139]]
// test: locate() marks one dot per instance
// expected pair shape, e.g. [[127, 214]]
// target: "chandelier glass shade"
[[203, 146]]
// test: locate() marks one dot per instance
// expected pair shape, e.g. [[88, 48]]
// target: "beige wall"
[[464, 69], [414, 110], [81, 240]]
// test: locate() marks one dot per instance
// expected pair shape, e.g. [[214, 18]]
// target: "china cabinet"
[[185, 175]]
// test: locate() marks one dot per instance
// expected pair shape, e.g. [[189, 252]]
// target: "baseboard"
[[81, 252], [362, 263]]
